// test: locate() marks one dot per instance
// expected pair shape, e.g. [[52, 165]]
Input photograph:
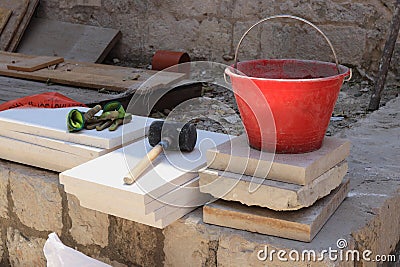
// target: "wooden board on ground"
[[110, 195], [51, 123], [302, 225], [12, 88], [274, 195], [23, 25], [36, 63], [5, 15], [90, 75], [19, 8], [302, 169], [74, 42]]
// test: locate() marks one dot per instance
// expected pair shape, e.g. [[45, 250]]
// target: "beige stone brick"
[[4, 174], [36, 197], [23, 250], [88, 226], [1, 247], [267, 193], [136, 243], [190, 243]]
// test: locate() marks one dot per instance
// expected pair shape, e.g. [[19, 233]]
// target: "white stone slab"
[[179, 198], [274, 195], [187, 196], [38, 156], [68, 147], [98, 184], [301, 169], [126, 210], [52, 123]]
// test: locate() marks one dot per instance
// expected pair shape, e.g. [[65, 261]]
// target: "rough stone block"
[[236, 156], [250, 48], [24, 251], [249, 9], [348, 41], [215, 35], [136, 243], [1, 246], [88, 226], [4, 178], [300, 225], [36, 198], [188, 243], [165, 36], [270, 194]]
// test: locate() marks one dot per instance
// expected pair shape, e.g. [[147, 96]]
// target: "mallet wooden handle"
[[134, 174]]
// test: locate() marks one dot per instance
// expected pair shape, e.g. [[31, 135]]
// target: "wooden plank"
[[237, 157], [51, 123], [110, 195], [89, 75], [35, 63], [74, 42], [23, 25], [5, 15], [302, 225], [19, 8], [270, 194], [11, 88]]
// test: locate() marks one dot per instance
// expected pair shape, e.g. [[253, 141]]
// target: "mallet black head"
[[180, 136]]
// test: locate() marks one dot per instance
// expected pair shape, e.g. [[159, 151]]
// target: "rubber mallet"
[[168, 136]]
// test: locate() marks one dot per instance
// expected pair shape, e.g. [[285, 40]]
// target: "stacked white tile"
[[39, 137], [164, 193]]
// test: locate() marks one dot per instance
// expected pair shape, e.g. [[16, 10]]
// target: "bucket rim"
[[231, 71]]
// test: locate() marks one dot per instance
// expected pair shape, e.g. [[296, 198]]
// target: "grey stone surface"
[[23, 250], [36, 198], [88, 226], [209, 29]]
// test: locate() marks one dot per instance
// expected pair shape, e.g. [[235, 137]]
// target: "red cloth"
[[45, 100]]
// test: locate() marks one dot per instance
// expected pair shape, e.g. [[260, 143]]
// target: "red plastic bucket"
[[301, 95]]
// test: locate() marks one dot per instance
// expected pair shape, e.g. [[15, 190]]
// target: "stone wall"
[[34, 204], [210, 30]]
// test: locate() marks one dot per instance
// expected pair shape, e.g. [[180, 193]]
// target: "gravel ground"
[[209, 114]]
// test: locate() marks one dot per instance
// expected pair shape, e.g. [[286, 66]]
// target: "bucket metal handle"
[[290, 17]]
